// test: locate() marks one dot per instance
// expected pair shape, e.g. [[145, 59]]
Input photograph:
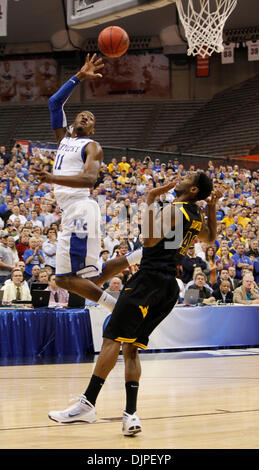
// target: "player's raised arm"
[[89, 71], [157, 223], [209, 230]]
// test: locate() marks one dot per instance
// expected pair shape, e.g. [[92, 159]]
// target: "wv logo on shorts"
[[144, 310], [80, 228]]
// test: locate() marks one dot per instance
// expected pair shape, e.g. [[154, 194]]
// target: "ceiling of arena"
[[39, 20]]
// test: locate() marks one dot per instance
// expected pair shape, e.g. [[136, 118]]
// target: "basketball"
[[113, 41]]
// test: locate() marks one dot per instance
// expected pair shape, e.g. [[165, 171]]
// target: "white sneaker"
[[83, 410], [131, 424]]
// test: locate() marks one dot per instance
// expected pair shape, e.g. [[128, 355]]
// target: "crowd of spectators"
[[30, 224]]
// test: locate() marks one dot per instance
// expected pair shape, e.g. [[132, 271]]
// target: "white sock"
[[135, 256], [107, 301]]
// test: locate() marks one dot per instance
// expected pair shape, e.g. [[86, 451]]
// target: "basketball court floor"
[[187, 400]]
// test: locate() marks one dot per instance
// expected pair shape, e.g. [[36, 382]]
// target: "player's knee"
[[130, 351], [109, 354], [110, 345]]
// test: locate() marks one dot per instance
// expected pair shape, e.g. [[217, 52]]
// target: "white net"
[[203, 22]]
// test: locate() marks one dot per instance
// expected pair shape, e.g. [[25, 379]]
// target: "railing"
[[186, 159]]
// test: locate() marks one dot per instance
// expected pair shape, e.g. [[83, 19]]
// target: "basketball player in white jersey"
[[75, 170]]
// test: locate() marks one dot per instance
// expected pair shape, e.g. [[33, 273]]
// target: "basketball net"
[[204, 23]]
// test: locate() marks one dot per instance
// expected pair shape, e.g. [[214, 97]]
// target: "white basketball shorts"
[[79, 243]]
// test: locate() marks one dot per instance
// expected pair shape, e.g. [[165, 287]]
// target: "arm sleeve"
[[57, 101]]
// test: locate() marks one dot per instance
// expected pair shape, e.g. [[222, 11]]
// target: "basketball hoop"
[[203, 22]]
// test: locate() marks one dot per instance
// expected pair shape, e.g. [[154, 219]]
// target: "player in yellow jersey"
[[150, 294]]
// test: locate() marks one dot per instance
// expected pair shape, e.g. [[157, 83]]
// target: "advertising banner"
[[202, 66]]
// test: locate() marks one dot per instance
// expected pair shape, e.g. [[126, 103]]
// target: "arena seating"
[[226, 125], [142, 124]]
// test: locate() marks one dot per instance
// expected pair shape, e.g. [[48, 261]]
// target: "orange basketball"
[[113, 41]]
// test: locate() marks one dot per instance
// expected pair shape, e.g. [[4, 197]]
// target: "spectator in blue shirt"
[[39, 190], [220, 214], [3, 208], [241, 260], [33, 256], [157, 165], [176, 165]]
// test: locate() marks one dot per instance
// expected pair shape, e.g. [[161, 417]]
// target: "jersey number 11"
[[58, 162]]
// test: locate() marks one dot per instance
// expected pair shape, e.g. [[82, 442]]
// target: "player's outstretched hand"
[[90, 69], [214, 197]]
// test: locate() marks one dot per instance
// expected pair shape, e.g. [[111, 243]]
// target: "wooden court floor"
[[209, 402]]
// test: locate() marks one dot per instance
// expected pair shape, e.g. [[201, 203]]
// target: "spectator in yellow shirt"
[[112, 165], [243, 219], [229, 219], [244, 236], [223, 244], [123, 165], [123, 177]]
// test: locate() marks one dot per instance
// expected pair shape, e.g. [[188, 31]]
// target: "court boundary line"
[[119, 419]]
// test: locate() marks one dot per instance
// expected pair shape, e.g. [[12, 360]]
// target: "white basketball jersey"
[[69, 161]]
